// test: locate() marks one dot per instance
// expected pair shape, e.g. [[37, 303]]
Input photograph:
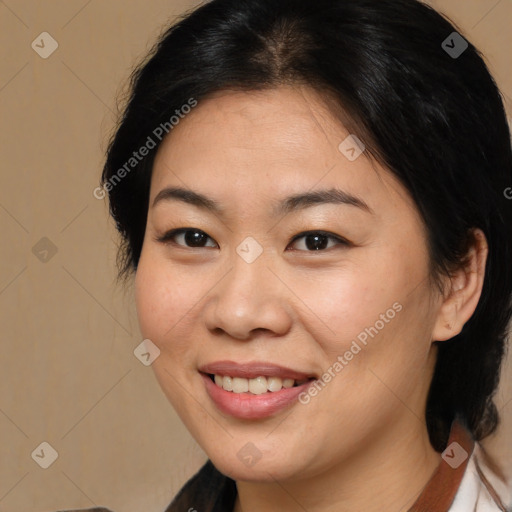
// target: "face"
[[271, 252]]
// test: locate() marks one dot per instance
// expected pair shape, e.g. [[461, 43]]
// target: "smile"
[[253, 390], [256, 386]]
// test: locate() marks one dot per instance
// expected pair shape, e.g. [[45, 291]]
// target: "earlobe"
[[464, 291]]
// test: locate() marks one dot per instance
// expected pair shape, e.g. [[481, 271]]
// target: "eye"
[[317, 241], [187, 237]]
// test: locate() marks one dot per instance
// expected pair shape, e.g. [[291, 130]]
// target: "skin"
[[362, 442]]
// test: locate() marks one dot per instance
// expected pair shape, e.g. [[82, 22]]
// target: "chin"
[[260, 471], [242, 460]]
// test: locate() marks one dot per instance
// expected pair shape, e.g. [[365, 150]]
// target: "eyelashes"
[[193, 238], [316, 240]]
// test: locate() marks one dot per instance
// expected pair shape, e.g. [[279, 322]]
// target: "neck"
[[389, 474]]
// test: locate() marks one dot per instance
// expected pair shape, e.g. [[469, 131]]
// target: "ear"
[[464, 290]]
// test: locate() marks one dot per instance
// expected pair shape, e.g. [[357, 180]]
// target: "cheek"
[[346, 301], [380, 302], [164, 299]]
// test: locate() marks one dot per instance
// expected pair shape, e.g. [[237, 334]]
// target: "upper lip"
[[254, 369]]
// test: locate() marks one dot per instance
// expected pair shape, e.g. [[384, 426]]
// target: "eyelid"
[[332, 236], [168, 236]]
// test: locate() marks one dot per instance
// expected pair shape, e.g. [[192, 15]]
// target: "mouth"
[[253, 390], [256, 386]]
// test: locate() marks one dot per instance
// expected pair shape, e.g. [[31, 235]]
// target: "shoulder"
[[207, 491], [95, 509], [481, 489]]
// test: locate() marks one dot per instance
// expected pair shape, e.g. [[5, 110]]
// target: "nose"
[[249, 299]]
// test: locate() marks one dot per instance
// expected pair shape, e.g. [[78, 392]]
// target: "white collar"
[[473, 494]]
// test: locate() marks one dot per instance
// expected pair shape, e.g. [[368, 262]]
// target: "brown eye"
[[317, 241], [188, 237]]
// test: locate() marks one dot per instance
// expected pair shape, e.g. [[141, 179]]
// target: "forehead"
[[288, 119], [273, 142]]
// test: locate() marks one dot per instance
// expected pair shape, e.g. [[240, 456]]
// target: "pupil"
[[195, 238], [316, 242]]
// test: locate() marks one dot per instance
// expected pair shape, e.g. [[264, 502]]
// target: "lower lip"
[[248, 406]]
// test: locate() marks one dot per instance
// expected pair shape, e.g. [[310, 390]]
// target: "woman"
[[312, 198]]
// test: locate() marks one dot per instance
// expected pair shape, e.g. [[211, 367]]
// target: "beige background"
[[69, 376]]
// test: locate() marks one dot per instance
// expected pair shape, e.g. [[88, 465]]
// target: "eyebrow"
[[189, 197], [292, 203], [327, 196]]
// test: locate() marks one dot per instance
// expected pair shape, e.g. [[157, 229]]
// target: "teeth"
[[227, 383], [288, 383], [240, 385], [274, 383], [256, 386]]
